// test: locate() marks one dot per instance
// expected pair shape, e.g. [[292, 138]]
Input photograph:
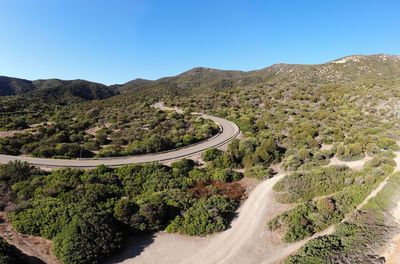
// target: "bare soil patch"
[[30, 245]]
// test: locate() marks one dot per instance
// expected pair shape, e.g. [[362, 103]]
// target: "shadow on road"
[[34, 260], [133, 247]]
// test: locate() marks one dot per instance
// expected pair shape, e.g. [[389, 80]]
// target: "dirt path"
[[247, 241], [11, 133], [355, 165], [392, 250], [30, 245], [244, 241]]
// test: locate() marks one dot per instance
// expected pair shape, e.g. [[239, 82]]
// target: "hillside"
[[199, 80], [301, 125], [14, 86], [54, 89]]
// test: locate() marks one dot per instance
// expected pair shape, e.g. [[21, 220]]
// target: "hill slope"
[[54, 89], [199, 80]]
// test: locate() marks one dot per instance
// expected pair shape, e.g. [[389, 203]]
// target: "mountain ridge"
[[202, 78]]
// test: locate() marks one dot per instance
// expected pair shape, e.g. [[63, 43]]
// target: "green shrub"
[[259, 172], [16, 171], [211, 154], [45, 218], [87, 239], [208, 215]]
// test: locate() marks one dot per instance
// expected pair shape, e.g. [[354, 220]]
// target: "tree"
[[208, 215], [87, 239], [15, 171], [268, 151], [211, 154]]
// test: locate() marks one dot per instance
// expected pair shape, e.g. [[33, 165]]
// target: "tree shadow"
[[133, 247], [34, 260], [232, 217]]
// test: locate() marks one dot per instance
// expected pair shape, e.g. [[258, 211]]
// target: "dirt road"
[[248, 240]]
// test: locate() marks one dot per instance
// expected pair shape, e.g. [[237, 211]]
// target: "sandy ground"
[[93, 130], [10, 133], [4, 134], [392, 250], [36, 247], [326, 146], [355, 165]]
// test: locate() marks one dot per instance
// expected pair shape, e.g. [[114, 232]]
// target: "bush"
[[350, 152], [45, 218], [16, 171], [211, 154], [87, 239], [226, 175], [259, 172], [109, 151], [83, 211], [208, 215]]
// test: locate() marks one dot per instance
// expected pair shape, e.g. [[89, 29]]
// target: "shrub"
[[208, 215], [45, 218], [16, 171], [226, 175], [211, 154], [259, 172], [87, 239]]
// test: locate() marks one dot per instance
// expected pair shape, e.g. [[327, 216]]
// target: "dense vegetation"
[[142, 130], [88, 214], [324, 196], [357, 239], [299, 115]]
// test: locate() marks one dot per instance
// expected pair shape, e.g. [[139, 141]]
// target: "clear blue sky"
[[113, 41]]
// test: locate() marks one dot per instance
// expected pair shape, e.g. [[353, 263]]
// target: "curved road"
[[229, 131]]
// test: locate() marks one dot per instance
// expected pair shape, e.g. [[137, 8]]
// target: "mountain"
[[200, 80], [14, 86], [80, 89], [55, 89]]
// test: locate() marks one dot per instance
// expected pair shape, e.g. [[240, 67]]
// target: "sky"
[[114, 41]]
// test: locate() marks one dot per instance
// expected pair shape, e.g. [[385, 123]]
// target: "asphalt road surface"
[[228, 132]]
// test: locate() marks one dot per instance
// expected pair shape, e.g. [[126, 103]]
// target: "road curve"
[[228, 132]]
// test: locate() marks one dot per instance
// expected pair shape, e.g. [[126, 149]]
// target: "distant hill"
[[54, 89], [14, 86], [201, 80]]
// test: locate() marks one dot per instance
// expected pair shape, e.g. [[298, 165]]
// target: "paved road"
[[229, 131]]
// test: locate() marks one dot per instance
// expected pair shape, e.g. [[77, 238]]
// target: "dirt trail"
[[247, 241], [392, 250], [355, 165], [11, 133], [244, 241], [30, 245]]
